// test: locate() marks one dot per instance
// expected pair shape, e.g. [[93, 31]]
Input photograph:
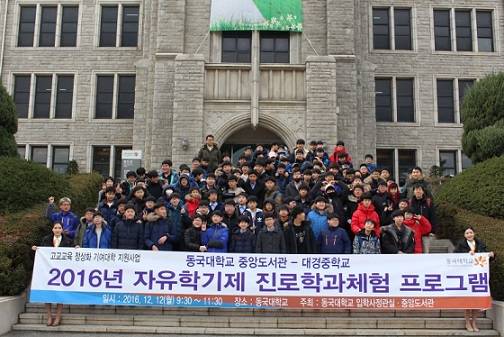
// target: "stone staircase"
[[250, 322]]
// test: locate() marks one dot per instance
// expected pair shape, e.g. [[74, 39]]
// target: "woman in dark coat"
[[56, 239], [470, 244]]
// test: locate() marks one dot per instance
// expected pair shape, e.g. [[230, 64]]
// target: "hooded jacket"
[[242, 242], [318, 221], [334, 240], [300, 234], [362, 214], [271, 242], [91, 238], [158, 228], [394, 240], [68, 220], [216, 238], [366, 244], [420, 227]]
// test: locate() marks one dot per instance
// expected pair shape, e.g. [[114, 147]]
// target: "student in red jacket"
[[365, 211], [420, 225]]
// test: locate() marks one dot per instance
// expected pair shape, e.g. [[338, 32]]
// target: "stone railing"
[[276, 82]]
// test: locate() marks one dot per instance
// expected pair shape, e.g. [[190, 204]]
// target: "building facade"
[[91, 78]]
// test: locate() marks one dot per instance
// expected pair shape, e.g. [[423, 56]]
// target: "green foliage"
[[478, 189], [26, 184], [8, 124], [73, 168], [456, 220], [483, 116], [19, 231]]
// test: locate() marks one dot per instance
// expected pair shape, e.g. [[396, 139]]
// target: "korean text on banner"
[[146, 278]]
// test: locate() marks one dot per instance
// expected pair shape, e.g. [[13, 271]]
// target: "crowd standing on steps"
[[272, 201]]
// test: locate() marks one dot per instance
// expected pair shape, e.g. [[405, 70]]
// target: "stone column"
[[321, 107], [188, 99]]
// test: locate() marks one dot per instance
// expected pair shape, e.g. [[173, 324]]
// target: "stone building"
[[91, 78]]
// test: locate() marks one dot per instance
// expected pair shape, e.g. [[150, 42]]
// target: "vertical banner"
[[273, 15], [184, 279]]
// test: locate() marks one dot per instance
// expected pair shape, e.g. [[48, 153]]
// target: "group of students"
[[303, 201]]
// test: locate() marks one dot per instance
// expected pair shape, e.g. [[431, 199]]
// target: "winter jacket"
[[257, 190], [425, 207], [107, 211], [366, 244], [91, 238], [271, 242], [362, 214], [192, 239], [156, 190], [380, 202], [156, 230], [337, 150], [170, 179], [420, 227], [291, 190], [463, 247], [411, 183], [128, 234], [213, 155], [256, 219], [191, 206], [300, 239], [318, 221], [216, 238], [69, 221], [48, 241], [394, 240], [242, 242], [231, 221], [334, 240]]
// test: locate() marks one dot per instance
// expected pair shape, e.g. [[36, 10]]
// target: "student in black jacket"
[[470, 244], [192, 235], [128, 233], [56, 239], [299, 237]]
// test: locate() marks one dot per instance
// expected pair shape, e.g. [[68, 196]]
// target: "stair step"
[[258, 322], [198, 331], [173, 311]]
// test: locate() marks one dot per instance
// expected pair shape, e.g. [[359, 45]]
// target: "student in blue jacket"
[[215, 238], [334, 239], [98, 235]]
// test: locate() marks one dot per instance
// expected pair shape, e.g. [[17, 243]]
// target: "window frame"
[[19, 22], [237, 53], [40, 146], [29, 92], [274, 51], [458, 160], [53, 157], [474, 29], [394, 100], [392, 29], [59, 26], [396, 149], [112, 156], [115, 96], [456, 100], [45, 95], [119, 22]]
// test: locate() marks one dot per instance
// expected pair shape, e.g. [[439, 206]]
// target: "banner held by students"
[[185, 279], [246, 15]]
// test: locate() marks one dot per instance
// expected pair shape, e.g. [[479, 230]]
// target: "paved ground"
[[64, 334]]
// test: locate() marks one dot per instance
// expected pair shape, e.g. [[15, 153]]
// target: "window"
[[21, 149], [405, 100], [22, 85], [385, 159], [236, 47], [48, 26], [124, 107], [446, 111], [39, 154], [101, 160], [400, 35], [128, 35], [47, 36], [381, 30], [275, 47], [463, 86], [60, 159], [27, 26], [464, 19], [108, 30], [69, 24], [126, 97], [484, 30], [463, 29], [395, 106], [383, 100], [104, 96], [118, 160], [43, 89], [402, 29], [64, 96], [448, 162], [442, 31], [466, 162], [407, 161]]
